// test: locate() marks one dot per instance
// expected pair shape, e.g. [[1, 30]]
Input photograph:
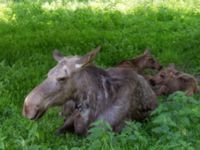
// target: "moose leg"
[[80, 125], [68, 125], [118, 128], [116, 115]]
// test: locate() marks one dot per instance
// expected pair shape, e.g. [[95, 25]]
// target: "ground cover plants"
[[30, 31]]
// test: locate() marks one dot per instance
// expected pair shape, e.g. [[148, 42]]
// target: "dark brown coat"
[[114, 95], [171, 80], [140, 63]]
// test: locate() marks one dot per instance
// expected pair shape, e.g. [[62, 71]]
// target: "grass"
[[29, 31]]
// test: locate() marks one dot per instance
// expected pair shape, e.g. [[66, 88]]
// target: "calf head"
[[165, 75], [59, 86], [146, 60]]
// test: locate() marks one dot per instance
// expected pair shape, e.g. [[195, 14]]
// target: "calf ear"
[[57, 55], [172, 66], [88, 58], [171, 69], [147, 52]]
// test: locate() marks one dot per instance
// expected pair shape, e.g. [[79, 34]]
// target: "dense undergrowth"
[[29, 31]]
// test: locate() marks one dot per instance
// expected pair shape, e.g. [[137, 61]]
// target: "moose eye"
[[61, 79]]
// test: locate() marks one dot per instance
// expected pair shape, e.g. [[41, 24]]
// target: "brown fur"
[[114, 95], [140, 63], [67, 109], [114, 112], [146, 60], [74, 118], [171, 80]]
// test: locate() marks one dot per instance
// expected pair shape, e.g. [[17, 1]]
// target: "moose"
[[170, 80], [141, 62], [114, 95]]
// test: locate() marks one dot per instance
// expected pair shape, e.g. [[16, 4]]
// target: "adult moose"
[[114, 95]]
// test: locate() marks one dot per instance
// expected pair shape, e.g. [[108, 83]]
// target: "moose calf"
[[140, 63], [171, 80]]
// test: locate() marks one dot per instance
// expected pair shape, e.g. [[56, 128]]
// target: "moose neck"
[[89, 80], [93, 85]]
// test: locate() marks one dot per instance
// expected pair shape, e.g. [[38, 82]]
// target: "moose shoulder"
[[114, 95]]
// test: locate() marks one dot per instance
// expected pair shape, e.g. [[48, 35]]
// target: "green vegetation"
[[30, 31]]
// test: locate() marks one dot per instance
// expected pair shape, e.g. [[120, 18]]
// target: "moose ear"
[[147, 52], [88, 58], [57, 55]]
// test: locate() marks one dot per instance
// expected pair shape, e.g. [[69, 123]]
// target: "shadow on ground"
[[173, 36]]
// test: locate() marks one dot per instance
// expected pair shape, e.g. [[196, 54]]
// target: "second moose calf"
[[170, 80]]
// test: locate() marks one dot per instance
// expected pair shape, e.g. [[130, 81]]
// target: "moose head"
[[59, 86]]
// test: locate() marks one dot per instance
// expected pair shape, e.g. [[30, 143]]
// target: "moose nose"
[[29, 111], [25, 110]]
